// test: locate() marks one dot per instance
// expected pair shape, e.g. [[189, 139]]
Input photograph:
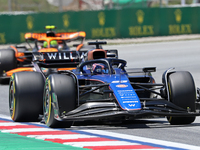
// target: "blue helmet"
[[99, 69]]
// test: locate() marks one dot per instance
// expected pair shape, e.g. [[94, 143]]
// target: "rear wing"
[[57, 36], [67, 59]]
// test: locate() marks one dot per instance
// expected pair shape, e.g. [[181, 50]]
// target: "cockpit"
[[102, 66]]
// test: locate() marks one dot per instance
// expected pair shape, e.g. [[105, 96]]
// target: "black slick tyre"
[[26, 96], [8, 61], [183, 94], [60, 88]]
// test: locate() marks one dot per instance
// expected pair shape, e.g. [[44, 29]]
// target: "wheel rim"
[[11, 99], [46, 104]]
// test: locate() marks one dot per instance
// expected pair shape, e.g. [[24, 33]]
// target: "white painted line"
[[11, 124], [27, 130], [5, 117], [101, 143], [143, 139], [65, 136]]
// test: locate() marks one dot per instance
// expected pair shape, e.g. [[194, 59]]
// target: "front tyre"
[[63, 88], [25, 96], [183, 94]]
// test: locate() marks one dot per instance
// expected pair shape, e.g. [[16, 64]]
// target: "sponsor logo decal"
[[66, 20], [140, 16], [102, 19], [130, 101], [179, 28], [122, 81], [29, 21], [61, 56], [131, 105], [121, 85], [178, 15]]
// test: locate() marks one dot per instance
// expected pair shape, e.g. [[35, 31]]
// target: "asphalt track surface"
[[183, 55]]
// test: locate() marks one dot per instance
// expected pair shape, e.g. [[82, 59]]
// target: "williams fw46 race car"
[[19, 58], [98, 89]]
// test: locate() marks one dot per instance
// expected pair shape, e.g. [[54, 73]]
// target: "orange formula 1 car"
[[19, 58]]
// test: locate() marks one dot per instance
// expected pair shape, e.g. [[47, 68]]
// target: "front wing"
[[108, 110]]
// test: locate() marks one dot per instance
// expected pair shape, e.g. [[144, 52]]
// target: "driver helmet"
[[45, 44], [99, 69], [54, 44]]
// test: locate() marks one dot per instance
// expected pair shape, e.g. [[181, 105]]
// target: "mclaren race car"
[[100, 89], [18, 58]]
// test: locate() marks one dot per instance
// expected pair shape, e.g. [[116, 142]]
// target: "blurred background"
[[76, 5], [100, 19]]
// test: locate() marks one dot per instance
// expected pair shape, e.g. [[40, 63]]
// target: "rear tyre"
[[26, 96], [62, 88], [183, 94], [8, 62]]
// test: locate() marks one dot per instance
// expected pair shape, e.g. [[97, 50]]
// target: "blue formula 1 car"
[[98, 87]]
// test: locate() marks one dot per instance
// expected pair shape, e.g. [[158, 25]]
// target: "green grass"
[[16, 142]]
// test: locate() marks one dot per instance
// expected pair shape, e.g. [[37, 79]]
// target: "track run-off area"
[[41, 137], [144, 133]]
